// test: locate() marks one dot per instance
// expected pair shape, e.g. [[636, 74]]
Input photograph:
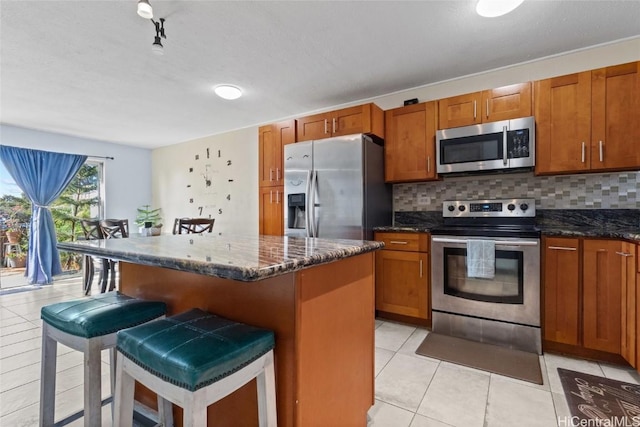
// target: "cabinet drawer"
[[410, 242]]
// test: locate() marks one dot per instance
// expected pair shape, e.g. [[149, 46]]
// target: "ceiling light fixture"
[[144, 9], [494, 8], [228, 91], [157, 47]]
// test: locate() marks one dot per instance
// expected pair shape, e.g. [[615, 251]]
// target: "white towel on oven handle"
[[481, 258]]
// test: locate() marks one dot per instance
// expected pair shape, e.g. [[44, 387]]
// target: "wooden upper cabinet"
[[271, 140], [503, 103], [615, 117], [367, 118], [562, 290], [563, 123], [588, 121], [409, 147], [602, 295]]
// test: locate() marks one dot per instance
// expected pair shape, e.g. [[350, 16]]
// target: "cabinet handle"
[[429, 164], [277, 197], [624, 254], [270, 174], [420, 268], [277, 174], [271, 196], [601, 152], [487, 108], [583, 152], [397, 242], [474, 110], [325, 126], [335, 126], [562, 248]]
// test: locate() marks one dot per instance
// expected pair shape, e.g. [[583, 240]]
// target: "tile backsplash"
[[586, 191]]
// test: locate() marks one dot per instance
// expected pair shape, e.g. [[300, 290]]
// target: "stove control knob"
[[461, 208], [451, 208], [511, 206], [524, 206]]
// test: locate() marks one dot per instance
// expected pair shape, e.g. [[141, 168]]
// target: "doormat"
[[600, 401], [486, 357]]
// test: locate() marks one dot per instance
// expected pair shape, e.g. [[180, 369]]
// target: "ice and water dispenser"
[[296, 207]]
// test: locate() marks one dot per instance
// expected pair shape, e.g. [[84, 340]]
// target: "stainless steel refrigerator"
[[334, 188]]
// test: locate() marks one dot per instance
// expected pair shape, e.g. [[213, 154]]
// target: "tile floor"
[[411, 390]]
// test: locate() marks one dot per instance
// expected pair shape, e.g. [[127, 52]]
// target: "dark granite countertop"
[[245, 258], [604, 223]]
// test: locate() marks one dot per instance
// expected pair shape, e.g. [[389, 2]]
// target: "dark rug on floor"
[[499, 360], [611, 402]]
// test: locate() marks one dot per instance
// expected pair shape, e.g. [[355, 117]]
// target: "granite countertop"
[[245, 258]]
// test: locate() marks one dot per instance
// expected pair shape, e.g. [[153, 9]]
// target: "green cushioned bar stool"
[[194, 359], [88, 325]]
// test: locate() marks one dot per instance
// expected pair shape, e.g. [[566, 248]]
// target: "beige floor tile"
[[456, 396], [413, 342], [10, 321], [382, 357], [21, 347], [20, 361], [563, 415], [392, 336], [19, 337], [512, 404], [554, 361], [422, 421], [404, 381], [385, 415], [620, 373], [545, 378]]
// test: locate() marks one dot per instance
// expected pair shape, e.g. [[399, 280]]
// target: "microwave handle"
[[504, 145]]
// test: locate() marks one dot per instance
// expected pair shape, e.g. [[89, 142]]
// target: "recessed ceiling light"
[[494, 8], [228, 91], [144, 9]]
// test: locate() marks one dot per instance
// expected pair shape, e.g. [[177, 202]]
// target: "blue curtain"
[[43, 176]]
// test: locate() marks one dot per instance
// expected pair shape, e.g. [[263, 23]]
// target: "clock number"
[[220, 211], [200, 209], [228, 162], [197, 156], [190, 170], [190, 200], [219, 153], [207, 153], [228, 196]]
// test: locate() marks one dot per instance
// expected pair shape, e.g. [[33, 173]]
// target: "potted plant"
[[16, 260], [148, 221]]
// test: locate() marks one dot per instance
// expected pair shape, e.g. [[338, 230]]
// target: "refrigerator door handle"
[[307, 209], [312, 203]]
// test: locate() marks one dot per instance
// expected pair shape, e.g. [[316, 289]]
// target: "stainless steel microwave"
[[508, 144]]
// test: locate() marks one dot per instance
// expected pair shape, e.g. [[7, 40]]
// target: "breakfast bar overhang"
[[317, 295]]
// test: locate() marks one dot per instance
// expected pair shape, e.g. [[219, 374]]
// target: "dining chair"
[[113, 229], [93, 231], [193, 225]]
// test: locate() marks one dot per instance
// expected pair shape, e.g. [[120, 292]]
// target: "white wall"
[[174, 187], [127, 176], [169, 163]]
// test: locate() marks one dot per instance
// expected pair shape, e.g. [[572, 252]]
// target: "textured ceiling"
[[85, 68]]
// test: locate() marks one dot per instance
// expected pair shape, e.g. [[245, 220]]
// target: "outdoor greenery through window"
[[80, 200]]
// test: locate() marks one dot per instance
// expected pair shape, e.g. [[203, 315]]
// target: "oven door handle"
[[497, 242]]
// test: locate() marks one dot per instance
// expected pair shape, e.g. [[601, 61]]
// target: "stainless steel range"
[[485, 273]]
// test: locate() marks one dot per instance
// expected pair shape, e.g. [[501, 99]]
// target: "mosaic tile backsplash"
[[588, 191]]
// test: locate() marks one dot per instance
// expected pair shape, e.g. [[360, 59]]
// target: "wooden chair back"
[[91, 229], [115, 228], [193, 225]]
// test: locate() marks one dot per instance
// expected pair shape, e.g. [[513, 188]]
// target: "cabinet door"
[[271, 211], [317, 126], [508, 102], [269, 155], [615, 114], [461, 110], [562, 290], [409, 148], [563, 123], [602, 295], [638, 308], [349, 121], [402, 283], [628, 281]]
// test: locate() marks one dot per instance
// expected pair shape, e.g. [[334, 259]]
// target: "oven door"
[[513, 295]]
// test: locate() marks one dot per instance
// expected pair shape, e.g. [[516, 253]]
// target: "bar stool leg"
[[195, 411], [92, 384], [266, 381], [48, 378], [123, 403], [165, 412]]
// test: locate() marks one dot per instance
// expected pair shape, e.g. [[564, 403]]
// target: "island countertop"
[[244, 258]]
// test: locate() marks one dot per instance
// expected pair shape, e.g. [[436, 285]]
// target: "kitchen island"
[[317, 295]]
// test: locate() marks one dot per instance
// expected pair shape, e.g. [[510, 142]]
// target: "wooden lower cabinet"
[[591, 303], [562, 290], [403, 275], [271, 211]]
